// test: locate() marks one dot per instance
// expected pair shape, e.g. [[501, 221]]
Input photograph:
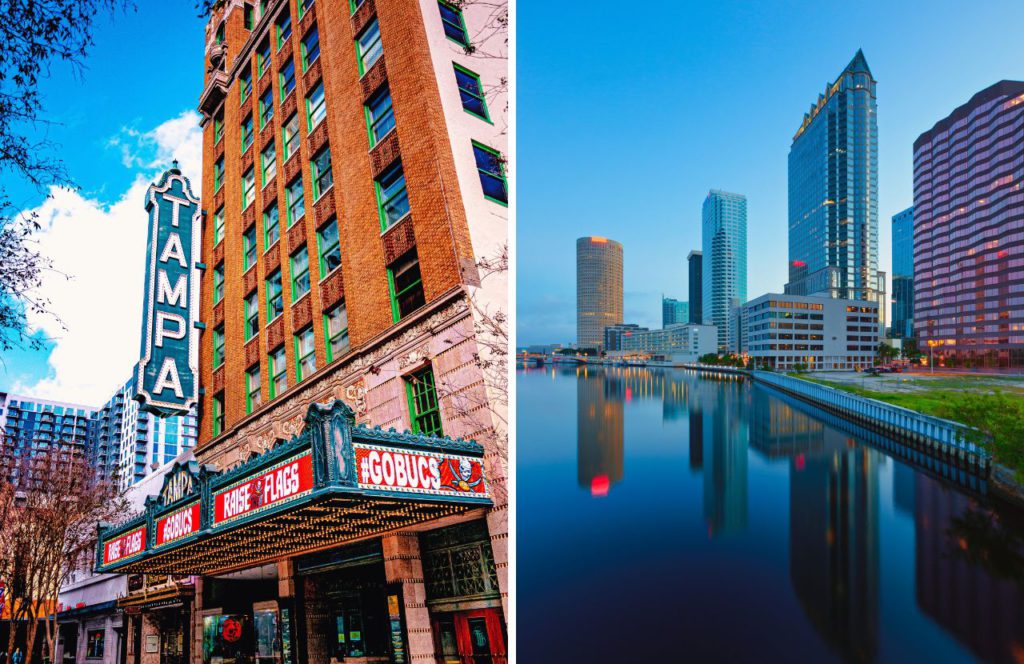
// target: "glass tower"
[[598, 289], [903, 274], [833, 191], [696, 263], [724, 278]]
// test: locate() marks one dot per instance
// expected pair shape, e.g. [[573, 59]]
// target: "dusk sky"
[[627, 118]]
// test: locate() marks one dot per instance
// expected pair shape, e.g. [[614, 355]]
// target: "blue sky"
[[116, 123], [627, 117]]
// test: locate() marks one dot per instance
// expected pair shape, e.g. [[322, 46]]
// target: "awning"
[[333, 483]]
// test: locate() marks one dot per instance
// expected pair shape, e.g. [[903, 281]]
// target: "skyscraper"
[[833, 191], [598, 289], [696, 264], [674, 312], [969, 232], [724, 282], [903, 274], [29, 425]]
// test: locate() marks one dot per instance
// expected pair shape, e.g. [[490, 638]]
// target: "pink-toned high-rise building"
[[969, 232]]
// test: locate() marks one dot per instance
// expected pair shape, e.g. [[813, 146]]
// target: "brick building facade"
[[353, 181]]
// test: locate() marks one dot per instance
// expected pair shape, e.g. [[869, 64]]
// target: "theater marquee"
[[333, 483], [166, 382]]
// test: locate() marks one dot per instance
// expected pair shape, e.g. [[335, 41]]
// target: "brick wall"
[[439, 228]]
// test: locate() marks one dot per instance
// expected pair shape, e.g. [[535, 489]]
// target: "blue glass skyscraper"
[[903, 274], [724, 240], [833, 191]]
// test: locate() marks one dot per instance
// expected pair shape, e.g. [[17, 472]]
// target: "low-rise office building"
[[682, 343], [783, 331], [614, 334]]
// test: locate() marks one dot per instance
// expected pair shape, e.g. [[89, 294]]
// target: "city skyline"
[[702, 147]]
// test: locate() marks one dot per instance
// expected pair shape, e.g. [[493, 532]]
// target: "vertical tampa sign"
[[167, 378]]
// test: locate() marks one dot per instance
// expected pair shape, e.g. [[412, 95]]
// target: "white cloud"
[[179, 138], [102, 250]]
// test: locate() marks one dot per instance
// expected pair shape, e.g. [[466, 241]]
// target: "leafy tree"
[[34, 33], [50, 502]]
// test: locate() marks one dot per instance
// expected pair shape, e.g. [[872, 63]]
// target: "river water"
[[666, 517]]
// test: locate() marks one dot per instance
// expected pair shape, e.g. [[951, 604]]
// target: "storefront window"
[[267, 647], [225, 640], [94, 644]]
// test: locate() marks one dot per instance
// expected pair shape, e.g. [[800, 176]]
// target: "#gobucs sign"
[[408, 471], [177, 524], [280, 483], [166, 381]]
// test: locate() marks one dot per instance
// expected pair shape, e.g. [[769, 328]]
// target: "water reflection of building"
[[778, 430], [725, 469], [903, 488], [600, 397], [834, 546], [954, 538]]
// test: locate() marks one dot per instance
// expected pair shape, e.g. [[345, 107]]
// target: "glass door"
[[266, 627]]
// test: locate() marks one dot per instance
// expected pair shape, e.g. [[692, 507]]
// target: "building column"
[[403, 565]]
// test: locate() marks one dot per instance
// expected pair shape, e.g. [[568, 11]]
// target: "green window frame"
[[248, 134], [424, 409], [249, 248], [263, 57], [271, 226], [454, 23], [253, 388], [290, 133], [287, 78], [266, 106], [218, 127], [310, 48], [275, 296], [283, 28], [218, 413], [336, 332], [277, 365], [268, 164], [405, 284], [303, 6], [219, 34], [380, 115], [218, 347], [251, 309], [328, 245], [471, 92], [218, 174], [248, 187], [492, 173], [392, 196], [218, 282], [305, 354], [323, 176], [316, 106], [294, 200], [218, 226], [245, 83], [368, 46], [298, 264], [353, 5], [247, 16]]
